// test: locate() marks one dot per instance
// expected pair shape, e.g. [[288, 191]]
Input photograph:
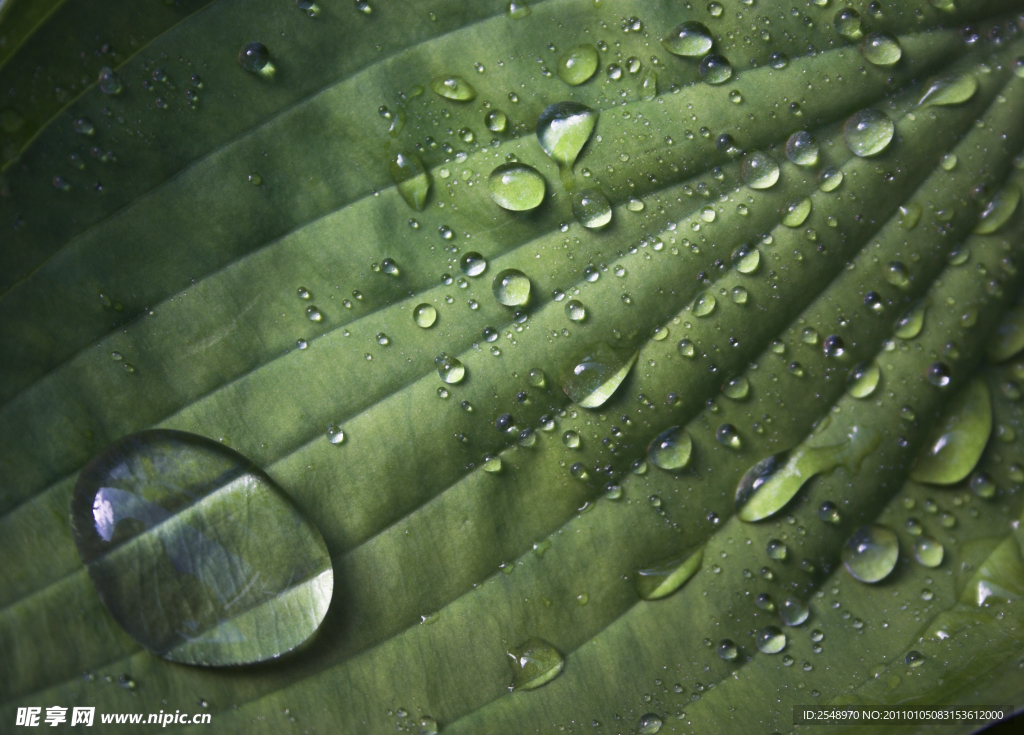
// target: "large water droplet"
[[671, 449], [771, 483], [575, 310], [649, 724], [424, 315], [590, 380], [517, 187], [704, 304], [691, 39], [453, 88], [796, 213], [496, 120], [847, 23], [759, 171], [957, 440], [881, 49], [664, 579], [715, 69], [562, 130], [868, 132], [473, 264], [802, 148], [871, 552], [863, 379], [911, 323], [534, 663], [745, 258], [591, 208], [950, 89], [173, 530], [770, 639], [737, 388], [998, 210], [511, 287], [255, 57], [578, 64], [412, 179]]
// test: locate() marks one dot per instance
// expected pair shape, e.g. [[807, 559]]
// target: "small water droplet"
[[794, 612], [575, 310], [473, 264], [928, 551], [727, 650], [830, 178], [511, 287], [914, 659], [911, 323], [829, 512], [776, 549], [109, 82], [871, 552], [745, 258], [728, 436], [847, 23], [450, 369], [770, 640], [957, 440], [255, 57], [686, 348], [759, 171]]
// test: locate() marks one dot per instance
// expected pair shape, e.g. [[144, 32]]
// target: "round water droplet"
[[770, 640], [938, 374], [575, 310], [796, 213], [911, 323], [715, 69], [707, 214], [950, 89], [424, 315], [534, 663], [254, 57], [739, 295], [794, 612], [649, 724], [578, 64], [472, 264], [776, 549], [411, 179], [671, 449], [728, 436], [517, 187], [109, 82], [829, 512], [690, 39], [172, 528], [591, 208], [868, 132], [511, 287], [453, 88], [928, 551], [571, 439], [957, 440], [983, 485], [313, 314], [450, 369], [759, 171], [862, 379], [847, 23], [335, 434], [833, 346], [737, 388], [704, 304], [745, 258], [871, 552], [686, 348], [830, 178], [802, 148], [881, 49], [727, 650]]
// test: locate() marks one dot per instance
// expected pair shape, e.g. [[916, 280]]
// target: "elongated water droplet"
[[411, 178], [745, 258], [956, 442], [868, 132], [770, 640], [662, 580], [690, 39], [450, 369], [871, 552], [453, 88], [534, 663], [714, 69], [796, 213], [950, 89], [172, 528], [881, 49], [1009, 337], [759, 171], [771, 483], [562, 130], [517, 187], [998, 210], [802, 148], [518, 9], [671, 449], [578, 64], [911, 323], [592, 379], [928, 551], [511, 287], [704, 304], [591, 208], [424, 315], [863, 379], [794, 611], [830, 178]]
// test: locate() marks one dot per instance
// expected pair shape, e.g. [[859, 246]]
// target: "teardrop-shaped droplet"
[[928, 551], [770, 484], [704, 304], [578, 64], [794, 611], [424, 315], [1009, 337], [591, 208], [473, 264], [592, 379], [714, 69], [745, 258], [868, 132], [562, 130], [450, 369], [956, 441], [664, 579], [759, 171], [517, 187], [671, 449], [453, 88], [770, 639], [998, 210], [411, 178], [511, 287], [802, 148], [881, 49], [862, 379], [796, 213], [690, 39], [871, 552], [534, 663], [737, 388], [950, 89], [172, 528], [911, 323]]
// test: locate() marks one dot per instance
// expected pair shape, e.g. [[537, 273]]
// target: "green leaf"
[[227, 253]]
